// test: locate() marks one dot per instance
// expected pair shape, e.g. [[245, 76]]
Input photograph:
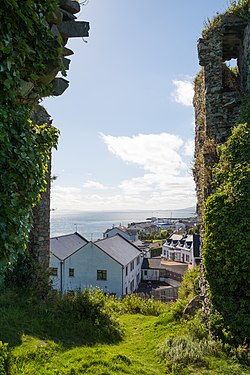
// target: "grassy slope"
[[135, 354]]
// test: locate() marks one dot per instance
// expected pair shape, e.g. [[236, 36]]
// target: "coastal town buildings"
[[182, 248], [112, 265]]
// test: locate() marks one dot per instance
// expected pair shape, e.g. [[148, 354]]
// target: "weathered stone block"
[[55, 31], [59, 86], [55, 17], [70, 6], [67, 52], [74, 29], [25, 88], [67, 16], [66, 63]]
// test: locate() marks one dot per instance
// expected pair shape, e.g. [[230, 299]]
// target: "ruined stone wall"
[[219, 95], [39, 239], [64, 25]]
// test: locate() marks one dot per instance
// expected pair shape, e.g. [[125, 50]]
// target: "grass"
[[153, 339]]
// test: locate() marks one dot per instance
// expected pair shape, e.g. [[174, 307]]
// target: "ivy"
[[27, 48], [227, 236]]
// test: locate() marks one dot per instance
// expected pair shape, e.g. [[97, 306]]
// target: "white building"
[[182, 248], [129, 234], [112, 264]]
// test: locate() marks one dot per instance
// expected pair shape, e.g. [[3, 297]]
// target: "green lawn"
[[135, 354], [80, 334]]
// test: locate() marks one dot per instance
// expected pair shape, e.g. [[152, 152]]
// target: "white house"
[[129, 234], [182, 248], [112, 264]]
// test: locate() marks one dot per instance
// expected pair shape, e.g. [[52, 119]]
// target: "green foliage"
[[3, 358], [133, 304], [190, 284], [81, 318], [238, 7], [28, 276], [58, 335], [227, 238], [27, 46], [183, 351]]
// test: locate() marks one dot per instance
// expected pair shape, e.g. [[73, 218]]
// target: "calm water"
[[92, 224]]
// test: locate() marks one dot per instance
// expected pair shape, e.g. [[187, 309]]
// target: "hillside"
[[107, 336]]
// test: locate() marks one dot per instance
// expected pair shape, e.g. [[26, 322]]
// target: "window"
[[101, 275], [131, 266], [126, 272], [187, 258], [71, 272], [145, 273], [53, 271], [138, 260]]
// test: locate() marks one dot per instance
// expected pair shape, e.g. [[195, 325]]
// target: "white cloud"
[[189, 147], [166, 181], [183, 92], [155, 153], [90, 184]]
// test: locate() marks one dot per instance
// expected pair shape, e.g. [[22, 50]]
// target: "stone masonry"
[[64, 25], [219, 95]]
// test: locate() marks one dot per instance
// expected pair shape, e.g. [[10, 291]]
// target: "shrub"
[[3, 358], [88, 305], [134, 304], [183, 351], [190, 284]]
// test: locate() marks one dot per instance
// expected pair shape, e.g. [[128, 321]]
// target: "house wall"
[[129, 276], [86, 262], [178, 254], [150, 274]]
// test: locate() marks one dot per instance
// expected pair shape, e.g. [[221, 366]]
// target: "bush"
[[3, 358], [88, 305], [134, 304], [190, 284], [183, 351], [28, 276]]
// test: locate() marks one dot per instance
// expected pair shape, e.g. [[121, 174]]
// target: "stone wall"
[[64, 25], [39, 239], [219, 95]]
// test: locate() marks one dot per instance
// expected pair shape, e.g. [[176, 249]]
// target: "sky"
[[127, 120]]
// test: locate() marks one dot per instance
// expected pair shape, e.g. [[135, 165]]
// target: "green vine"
[[227, 236], [27, 48]]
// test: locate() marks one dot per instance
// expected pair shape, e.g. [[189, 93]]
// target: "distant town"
[[148, 258]]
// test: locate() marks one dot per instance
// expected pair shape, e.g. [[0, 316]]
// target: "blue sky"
[[127, 121]]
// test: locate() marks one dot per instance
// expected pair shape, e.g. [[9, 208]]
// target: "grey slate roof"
[[118, 248], [64, 246]]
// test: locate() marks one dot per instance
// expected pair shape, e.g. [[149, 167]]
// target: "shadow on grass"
[[68, 320]]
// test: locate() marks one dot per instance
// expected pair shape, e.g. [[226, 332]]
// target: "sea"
[[93, 224]]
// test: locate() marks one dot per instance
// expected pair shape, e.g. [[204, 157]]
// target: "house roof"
[[176, 237], [122, 229], [64, 246], [118, 248]]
